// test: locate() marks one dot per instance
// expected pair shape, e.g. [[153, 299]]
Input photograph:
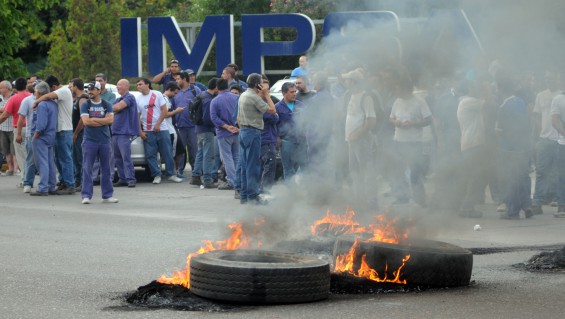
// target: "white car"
[[276, 89]]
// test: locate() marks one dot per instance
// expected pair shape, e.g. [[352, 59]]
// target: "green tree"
[[88, 42], [19, 24]]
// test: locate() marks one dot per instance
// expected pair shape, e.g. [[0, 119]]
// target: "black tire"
[[431, 263], [259, 277]]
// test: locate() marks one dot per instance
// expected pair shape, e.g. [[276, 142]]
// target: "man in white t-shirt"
[[152, 109], [360, 119], [409, 114], [546, 146], [470, 115], [64, 139]]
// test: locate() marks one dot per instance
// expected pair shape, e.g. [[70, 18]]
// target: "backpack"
[[378, 107], [196, 110]]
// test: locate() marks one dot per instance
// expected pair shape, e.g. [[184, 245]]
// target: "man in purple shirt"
[[167, 75], [124, 129], [221, 112], [185, 127], [44, 130]]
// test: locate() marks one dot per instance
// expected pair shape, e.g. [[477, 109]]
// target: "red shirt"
[[13, 106]]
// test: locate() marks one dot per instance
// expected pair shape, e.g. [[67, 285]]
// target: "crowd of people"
[[437, 145]]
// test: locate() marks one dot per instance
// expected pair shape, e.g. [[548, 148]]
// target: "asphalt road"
[[61, 259]]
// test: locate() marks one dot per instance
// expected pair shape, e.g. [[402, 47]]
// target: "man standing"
[[124, 129], [293, 146], [222, 109], [237, 81], [7, 131], [97, 116], [11, 110], [558, 122], [64, 142], [186, 129], [546, 147], [303, 93], [205, 157], [252, 104], [26, 117], [44, 130], [105, 94], [155, 132], [167, 75], [77, 88], [302, 68]]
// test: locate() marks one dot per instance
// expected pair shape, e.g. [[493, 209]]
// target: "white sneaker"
[[175, 179], [86, 200], [27, 189], [110, 200], [157, 180]]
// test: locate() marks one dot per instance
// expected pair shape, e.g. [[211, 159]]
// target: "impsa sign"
[[219, 29]]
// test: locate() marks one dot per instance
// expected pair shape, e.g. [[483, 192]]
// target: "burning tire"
[[430, 263], [253, 276]]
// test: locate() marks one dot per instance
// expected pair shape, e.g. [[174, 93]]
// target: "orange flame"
[[237, 240], [345, 263]]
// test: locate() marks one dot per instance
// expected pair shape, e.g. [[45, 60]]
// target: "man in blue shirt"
[[185, 128], [97, 116], [167, 75], [44, 130]]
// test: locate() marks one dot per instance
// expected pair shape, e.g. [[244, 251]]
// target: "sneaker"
[[66, 191], [536, 210], [9, 173], [210, 185], [27, 189], [20, 185], [120, 184], [237, 195], [195, 180], [179, 175], [111, 200], [224, 186], [528, 212], [36, 193], [559, 215], [157, 180], [511, 217], [86, 200], [174, 178], [259, 200], [131, 185], [501, 208]]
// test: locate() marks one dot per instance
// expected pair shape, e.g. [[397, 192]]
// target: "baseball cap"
[[94, 85], [189, 71]]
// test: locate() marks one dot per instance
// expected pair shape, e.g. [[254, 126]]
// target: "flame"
[[383, 229], [237, 240], [345, 263]]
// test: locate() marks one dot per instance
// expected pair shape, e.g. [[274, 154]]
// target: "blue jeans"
[[546, 163], [268, 166], [229, 151], [30, 169], [293, 156], [250, 147], [45, 163], [188, 139], [77, 157], [161, 142], [204, 163], [121, 145], [64, 157], [515, 182], [90, 152]]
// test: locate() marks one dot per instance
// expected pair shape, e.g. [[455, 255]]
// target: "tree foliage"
[[19, 24]]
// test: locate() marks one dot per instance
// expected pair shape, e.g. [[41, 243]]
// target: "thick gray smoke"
[[438, 49]]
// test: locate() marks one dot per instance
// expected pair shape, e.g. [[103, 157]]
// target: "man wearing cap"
[[97, 116], [105, 94], [124, 129], [64, 141], [44, 129], [11, 110], [186, 129], [251, 106], [26, 117], [167, 75], [152, 108]]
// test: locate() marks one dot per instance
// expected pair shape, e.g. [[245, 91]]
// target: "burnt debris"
[[546, 261]]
